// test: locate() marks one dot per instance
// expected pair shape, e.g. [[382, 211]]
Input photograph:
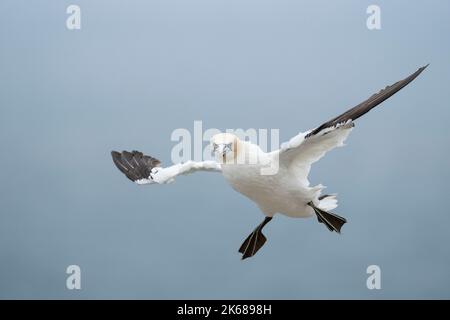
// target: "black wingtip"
[[416, 74], [367, 105], [135, 165], [115, 154], [413, 76], [422, 68]]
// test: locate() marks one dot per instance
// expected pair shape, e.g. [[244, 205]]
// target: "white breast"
[[278, 193]]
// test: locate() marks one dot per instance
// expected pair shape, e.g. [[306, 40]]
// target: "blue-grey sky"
[[137, 70]]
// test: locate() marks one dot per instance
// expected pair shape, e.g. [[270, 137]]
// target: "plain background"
[[137, 70]]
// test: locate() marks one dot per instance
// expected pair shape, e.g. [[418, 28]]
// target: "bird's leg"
[[254, 241], [331, 220]]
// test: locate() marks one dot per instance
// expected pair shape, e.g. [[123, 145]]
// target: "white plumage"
[[276, 181], [288, 191]]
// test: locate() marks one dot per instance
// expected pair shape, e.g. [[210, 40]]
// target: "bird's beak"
[[220, 150]]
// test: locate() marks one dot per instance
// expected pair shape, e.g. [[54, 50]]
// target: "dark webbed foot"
[[331, 220], [254, 241]]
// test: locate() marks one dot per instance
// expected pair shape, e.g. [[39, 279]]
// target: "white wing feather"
[[299, 153], [144, 169], [166, 175]]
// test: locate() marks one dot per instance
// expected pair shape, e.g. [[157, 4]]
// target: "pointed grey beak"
[[222, 148], [219, 149]]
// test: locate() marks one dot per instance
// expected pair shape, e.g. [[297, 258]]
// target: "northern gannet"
[[287, 190]]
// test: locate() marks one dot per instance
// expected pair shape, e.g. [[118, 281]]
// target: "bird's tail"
[[327, 202]]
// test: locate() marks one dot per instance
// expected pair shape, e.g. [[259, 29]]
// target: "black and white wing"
[[144, 169], [308, 147]]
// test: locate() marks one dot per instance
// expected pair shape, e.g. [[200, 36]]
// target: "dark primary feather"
[[135, 165], [364, 107]]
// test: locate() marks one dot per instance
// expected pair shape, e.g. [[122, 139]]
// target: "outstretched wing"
[[364, 107], [308, 147], [144, 169]]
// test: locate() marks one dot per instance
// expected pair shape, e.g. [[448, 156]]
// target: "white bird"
[[246, 168]]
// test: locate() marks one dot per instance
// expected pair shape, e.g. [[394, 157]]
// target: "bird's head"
[[225, 147]]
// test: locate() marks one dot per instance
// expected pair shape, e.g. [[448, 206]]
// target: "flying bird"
[[286, 190]]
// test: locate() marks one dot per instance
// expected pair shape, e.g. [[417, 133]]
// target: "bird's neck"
[[244, 152]]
